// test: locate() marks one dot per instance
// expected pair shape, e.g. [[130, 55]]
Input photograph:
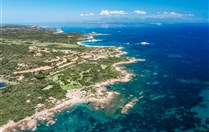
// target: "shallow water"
[[172, 83]]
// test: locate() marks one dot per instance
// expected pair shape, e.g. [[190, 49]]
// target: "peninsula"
[[46, 71]]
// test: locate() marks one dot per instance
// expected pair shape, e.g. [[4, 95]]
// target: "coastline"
[[81, 44], [75, 97]]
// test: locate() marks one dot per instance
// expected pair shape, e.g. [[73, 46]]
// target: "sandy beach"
[[72, 97], [81, 43]]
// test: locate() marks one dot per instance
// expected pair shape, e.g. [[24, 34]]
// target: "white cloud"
[[118, 12], [105, 12], [170, 15], [87, 14], [173, 14], [109, 13], [140, 12], [190, 15]]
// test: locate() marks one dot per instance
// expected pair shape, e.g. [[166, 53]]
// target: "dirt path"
[[42, 68]]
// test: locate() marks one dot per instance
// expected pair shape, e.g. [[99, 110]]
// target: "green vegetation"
[[29, 34], [13, 99], [25, 55]]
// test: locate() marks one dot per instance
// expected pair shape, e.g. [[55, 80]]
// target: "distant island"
[[46, 71]]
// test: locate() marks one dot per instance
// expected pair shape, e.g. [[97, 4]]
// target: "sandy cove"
[[74, 97], [81, 43]]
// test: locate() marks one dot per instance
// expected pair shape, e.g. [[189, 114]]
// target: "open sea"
[[172, 83]]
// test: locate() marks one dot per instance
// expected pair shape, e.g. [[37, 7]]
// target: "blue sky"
[[17, 11]]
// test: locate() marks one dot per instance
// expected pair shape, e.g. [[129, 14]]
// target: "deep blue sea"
[[173, 81]]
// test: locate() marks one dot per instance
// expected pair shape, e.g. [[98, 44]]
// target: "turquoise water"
[[172, 83]]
